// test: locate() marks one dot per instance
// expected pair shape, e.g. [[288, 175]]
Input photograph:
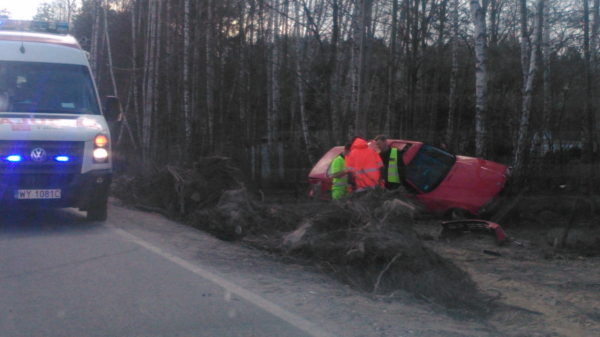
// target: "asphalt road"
[[61, 276]]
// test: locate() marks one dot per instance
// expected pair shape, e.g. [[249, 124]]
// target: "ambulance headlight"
[[100, 155]]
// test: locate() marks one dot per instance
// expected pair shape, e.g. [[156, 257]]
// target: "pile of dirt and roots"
[[367, 241]]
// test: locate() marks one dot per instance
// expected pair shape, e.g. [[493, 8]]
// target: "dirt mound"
[[367, 241]]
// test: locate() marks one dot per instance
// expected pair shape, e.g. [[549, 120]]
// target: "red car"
[[444, 184]]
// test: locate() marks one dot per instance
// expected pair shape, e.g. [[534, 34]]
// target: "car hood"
[[477, 175], [50, 127]]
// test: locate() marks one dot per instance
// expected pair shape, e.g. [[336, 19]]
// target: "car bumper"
[[77, 189]]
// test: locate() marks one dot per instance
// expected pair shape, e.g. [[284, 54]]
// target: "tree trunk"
[[301, 55], [478, 13], [95, 38], [588, 120], [210, 72], [546, 132], [187, 118], [524, 42], [453, 77], [438, 74], [134, 28], [361, 122], [150, 78], [391, 106], [333, 64], [112, 72], [169, 39], [522, 146]]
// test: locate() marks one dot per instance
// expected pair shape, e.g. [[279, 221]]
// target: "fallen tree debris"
[[367, 241]]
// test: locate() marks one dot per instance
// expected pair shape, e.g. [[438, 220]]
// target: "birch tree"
[[522, 145], [301, 55], [524, 41], [478, 15]]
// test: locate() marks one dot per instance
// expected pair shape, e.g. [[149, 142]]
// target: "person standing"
[[363, 165], [337, 172], [393, 171]]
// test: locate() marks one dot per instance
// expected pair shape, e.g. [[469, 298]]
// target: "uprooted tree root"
[[367, 241]]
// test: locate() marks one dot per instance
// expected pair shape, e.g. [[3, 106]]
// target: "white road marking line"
[[249, 296]]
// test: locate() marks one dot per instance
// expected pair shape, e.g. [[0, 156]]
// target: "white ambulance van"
[[55, 148]]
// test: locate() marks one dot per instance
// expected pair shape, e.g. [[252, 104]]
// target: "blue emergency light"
[[62, 159], [14, 158]]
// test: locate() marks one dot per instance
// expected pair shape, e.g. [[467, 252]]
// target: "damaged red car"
[[444, 184]]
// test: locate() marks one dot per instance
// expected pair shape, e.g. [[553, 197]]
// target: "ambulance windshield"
[[47, 88]]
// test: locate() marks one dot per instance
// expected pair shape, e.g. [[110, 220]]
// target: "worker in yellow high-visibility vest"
[[393, 170], [339, 176]]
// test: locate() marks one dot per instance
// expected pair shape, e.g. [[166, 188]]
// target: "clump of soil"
[[367, 241]]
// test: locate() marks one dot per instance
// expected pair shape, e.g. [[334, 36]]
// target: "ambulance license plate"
[[37, 194]]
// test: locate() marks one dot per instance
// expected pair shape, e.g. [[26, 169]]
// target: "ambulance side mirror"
[[112, 109]]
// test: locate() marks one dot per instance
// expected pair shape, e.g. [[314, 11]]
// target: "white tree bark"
[[524, 41], [478, 14], [528, 90], [301, 55]]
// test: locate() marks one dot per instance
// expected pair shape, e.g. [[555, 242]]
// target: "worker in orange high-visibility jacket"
[[363, 165]]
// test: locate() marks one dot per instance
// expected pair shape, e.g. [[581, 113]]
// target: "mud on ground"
[[543, 291]]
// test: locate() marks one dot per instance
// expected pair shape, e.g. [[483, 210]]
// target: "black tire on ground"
[[97, 212], [457, 214]]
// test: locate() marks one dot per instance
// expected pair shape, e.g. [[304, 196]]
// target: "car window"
[[46, 87], [429, 167]]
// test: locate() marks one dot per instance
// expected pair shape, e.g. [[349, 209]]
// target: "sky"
[[21, 9]]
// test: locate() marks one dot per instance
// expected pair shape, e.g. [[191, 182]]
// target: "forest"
[[273, 84]]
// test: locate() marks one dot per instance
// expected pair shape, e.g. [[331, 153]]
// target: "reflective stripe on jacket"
[[392, 171]]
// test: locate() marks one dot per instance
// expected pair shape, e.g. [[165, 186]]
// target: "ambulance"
[[55, 144]]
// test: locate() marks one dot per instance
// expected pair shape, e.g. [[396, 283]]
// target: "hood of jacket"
[[359, 144]]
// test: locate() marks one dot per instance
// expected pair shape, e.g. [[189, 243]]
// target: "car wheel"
[[97, 212], [458, 214]]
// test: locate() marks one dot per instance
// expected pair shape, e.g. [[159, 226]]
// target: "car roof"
[[56, 39]]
